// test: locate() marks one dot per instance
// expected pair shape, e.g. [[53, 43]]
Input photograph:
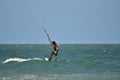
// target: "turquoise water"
[[75, 62]]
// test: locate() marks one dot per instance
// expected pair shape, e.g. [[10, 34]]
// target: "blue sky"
[[67, 21]]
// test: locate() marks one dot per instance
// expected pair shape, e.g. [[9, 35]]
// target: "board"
[[46, 59]]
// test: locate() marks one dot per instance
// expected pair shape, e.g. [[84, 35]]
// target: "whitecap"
[[20, 60]]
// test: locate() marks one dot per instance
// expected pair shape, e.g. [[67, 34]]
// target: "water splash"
[[20, 60]]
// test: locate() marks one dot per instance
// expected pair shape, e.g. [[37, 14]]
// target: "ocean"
[[75, 62]]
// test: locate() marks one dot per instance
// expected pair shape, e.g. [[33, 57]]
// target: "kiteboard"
[[46, 59]]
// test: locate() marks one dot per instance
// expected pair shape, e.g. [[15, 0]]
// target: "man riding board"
[[55, 50]]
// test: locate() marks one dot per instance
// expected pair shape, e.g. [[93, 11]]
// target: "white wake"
[[20, 60]]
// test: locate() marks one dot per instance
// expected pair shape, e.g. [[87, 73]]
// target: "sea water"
[[75, 62]]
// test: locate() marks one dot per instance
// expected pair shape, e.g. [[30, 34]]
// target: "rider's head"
[[54, 42]]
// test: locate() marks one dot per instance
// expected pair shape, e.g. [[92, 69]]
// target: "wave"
[[62, 77], [20, 60]]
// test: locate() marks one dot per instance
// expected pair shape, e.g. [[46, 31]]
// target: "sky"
[[66, 21]]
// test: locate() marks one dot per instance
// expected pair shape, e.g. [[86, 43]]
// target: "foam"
[[20, 60]]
